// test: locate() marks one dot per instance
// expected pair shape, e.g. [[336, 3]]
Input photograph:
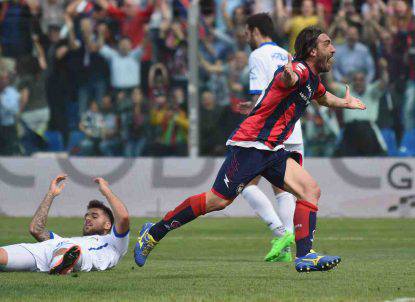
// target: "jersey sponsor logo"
[[226, 181], [307, 97], [279, 56], [240, 188], [314, 261]]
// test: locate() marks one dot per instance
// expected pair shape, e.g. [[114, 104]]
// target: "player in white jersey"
[[264, 60], [104, 242]]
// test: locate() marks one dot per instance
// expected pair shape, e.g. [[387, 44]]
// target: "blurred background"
[[112, 78]]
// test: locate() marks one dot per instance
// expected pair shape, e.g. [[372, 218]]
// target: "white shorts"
[[295, 147], [19, 259]]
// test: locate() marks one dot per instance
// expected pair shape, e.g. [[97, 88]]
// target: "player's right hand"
[[57, 184], [103, 185]]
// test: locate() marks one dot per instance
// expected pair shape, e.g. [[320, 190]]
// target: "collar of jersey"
[[268, 43]]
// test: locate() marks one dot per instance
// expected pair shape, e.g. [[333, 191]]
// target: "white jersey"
[[98, 252], [263, 62]]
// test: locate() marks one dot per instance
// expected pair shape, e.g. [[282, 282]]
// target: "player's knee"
[[311, 192], [215, 203], [3, 257]]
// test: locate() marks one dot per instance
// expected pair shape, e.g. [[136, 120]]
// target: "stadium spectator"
[[91, 125], [110, 141], [89, 68], [9, 109], [52, 13], [140, 48], [158, 81], [224, 10], [210, 114], [15, 21], [170, 126], [133, 22], [124, 63], [238, 76], [31, 83], [361, 135], [293, 25], [353, 56], [136, 126]]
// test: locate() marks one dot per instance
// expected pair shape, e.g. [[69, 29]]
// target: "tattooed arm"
[[38, 225]]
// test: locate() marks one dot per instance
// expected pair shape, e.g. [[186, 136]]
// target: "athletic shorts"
[[244, 164], [19, 259]]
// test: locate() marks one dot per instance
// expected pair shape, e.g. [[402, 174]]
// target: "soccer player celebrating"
[[256, 148], [265, 59], [104, 242]]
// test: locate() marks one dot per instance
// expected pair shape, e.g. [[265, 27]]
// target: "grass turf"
[[221, 260]]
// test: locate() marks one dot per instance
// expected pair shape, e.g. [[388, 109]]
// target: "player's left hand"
[[352, 102], [103, 185]]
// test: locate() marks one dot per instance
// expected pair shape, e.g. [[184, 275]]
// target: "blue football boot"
[[313, 262], [145, 244]]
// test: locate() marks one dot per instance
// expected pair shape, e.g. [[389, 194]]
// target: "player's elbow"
[[33, 231], [124, 220]]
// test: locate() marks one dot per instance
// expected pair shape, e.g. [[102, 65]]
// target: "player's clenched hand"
[[103, 185], [289, 77], [245, 107], [352, 102], [57, 185]]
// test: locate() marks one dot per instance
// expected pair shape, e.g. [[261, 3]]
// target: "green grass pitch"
[[221, 260]]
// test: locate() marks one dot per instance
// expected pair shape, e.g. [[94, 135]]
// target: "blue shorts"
[[244, 164]]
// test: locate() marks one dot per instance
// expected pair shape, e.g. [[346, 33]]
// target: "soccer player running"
[[264, 60], [256, 148], [104, 242]]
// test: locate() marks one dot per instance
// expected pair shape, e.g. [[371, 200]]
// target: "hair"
[[96, 204], [263, 22], [306, 41]]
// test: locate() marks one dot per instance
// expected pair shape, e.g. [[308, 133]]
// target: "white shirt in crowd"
[[9, 106], [263, 62], [98, 252], [125, 70]]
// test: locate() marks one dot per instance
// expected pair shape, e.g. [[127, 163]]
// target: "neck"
[[263, 40], [312, 66]]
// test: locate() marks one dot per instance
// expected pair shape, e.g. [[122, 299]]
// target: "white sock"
[[285, 209], [262, 206]]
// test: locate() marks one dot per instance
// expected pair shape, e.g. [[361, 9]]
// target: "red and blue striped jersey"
[[272, 120]]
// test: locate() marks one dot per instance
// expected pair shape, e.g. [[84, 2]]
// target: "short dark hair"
[[96, 204], [306, 41], [263, 22]]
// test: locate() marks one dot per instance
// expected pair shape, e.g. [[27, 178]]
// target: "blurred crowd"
[[109, 77]]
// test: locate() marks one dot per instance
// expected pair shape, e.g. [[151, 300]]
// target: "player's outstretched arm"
[[38, 225], [349, 101], [121, 216]]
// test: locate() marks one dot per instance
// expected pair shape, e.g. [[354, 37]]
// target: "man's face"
[[241, 59], [125, 46], [96, 222], [359, 82], [307, 8], [249, 35], [324, 53], [54, 35], [208, 100], [352, 36]]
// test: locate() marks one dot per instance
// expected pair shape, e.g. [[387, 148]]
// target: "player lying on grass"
[[104, 242], [256, 148]]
